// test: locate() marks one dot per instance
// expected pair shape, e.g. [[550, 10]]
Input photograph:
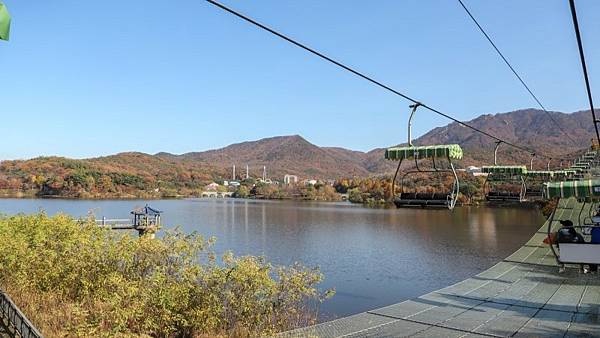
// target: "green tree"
[[468, 190], [242, 192]]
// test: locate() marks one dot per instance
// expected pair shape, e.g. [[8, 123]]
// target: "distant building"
[[475, 171], [212, 187], [267, 181], [310, 182], [290, 179], [234, 183]]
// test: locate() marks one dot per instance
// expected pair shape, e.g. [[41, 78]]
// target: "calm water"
[[373, 257]]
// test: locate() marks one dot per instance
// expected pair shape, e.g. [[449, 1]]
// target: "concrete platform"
[[522, 296]]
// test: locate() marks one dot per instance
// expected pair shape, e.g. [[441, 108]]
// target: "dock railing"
[[14, 320], [109, 222]]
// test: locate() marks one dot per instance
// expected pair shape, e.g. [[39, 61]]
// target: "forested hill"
[[164, 174], [125, 175], [529, 127]]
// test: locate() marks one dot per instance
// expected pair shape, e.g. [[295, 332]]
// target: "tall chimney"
[[247, 172], [233, 178]]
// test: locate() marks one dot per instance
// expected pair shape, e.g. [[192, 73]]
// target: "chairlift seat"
[[505, 170], [534, 192], [500, 196], [422, 200], [581, 253]]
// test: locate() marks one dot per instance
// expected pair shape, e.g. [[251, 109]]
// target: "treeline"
[[378, 190], [250, 188], [126, 175], [137, 175]]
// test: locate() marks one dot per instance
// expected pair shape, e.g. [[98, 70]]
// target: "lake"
[[372, 257]]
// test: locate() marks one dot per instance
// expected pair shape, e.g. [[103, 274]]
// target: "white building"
[[310, 182], [475, 171], [290, 179]]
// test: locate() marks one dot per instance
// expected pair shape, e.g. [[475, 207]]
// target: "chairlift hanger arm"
[[498, 143], [412, 114]]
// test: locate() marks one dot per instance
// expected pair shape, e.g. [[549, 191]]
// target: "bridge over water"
[[522, 296], [217, 194]]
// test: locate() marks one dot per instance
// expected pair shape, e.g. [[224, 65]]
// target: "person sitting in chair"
[[568, 234]]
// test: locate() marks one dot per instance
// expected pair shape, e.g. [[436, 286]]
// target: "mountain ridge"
[[295, 155]]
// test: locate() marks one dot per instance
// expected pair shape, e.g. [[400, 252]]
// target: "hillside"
[[282, 155], [124, 175], [295, 155], [164, 174]]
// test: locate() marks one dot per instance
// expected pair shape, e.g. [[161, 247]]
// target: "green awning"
[[505, 169], [4, 23], [452, 151], [540, 173], [579, 189]]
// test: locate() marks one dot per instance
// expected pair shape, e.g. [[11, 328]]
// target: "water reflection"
[[373, 257]]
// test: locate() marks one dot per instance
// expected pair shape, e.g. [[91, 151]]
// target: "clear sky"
[[89, 78]]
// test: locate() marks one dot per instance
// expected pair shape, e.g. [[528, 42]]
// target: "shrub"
[[73, 278]]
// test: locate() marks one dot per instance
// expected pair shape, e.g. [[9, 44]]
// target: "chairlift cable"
[[363, 76], [489, 39], [583, 66]]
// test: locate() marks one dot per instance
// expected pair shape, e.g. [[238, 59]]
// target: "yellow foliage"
[[72, 278]]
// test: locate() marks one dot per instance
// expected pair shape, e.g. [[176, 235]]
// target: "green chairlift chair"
[[502, 175], [438, 154], [585, 191]]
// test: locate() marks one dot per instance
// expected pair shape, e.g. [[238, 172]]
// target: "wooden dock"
[[145, 220], [522, 296]]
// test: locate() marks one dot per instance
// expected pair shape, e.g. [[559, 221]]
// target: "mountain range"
[[295, 155], [125, 173]]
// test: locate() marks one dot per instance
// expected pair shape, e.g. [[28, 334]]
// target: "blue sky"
[[90, 78]]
